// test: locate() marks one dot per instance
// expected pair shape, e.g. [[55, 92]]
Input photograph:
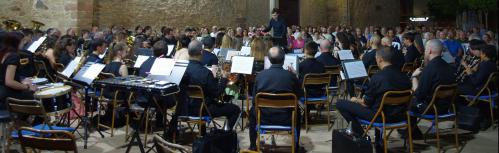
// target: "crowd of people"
[[444, 52]]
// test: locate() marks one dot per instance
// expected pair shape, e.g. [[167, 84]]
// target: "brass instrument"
[[37, 25], [12, 25], [470, 60]]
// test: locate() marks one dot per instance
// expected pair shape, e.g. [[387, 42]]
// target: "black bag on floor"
[[468, 118], [217, 141], [344, 142]]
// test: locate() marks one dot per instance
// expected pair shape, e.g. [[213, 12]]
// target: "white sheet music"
[[245, 51], [34, 46], [199, 38], [93, 71], [170, 49], [291, 61], [162, 66], [355, 69], [298, 51], [342, 75], [140, 60], [70, 69], [266, 62], [242, 65], [345, 55], [230, 54], [317, 54], [216, 50]]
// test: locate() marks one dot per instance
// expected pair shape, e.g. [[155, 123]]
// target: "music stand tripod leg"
[[136, 134]]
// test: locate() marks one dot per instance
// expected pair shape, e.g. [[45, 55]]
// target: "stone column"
[[273, 4]]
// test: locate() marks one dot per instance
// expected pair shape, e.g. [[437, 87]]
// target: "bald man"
[[274, 80], [326, 57], [424, 81]]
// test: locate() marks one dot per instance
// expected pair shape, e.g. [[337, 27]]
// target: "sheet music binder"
[[176, 75], [79, 77], [353, 69]]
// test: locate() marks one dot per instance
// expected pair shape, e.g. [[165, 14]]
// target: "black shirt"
[[279, 27], [11, 59], [307, 66], [64, 58], [436, 72], [200, 75], [146, 67], [369, 58], [209, 58], [387, 79], [412, 54], [114, 68], [26, 70], [277, 80], [398, 59], [327, 59], [94, 58], [480, 77]]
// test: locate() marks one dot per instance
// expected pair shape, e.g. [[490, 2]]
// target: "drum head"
[[39, 80], [51, 92]]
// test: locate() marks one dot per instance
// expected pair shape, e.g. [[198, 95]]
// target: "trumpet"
[[37, 25], [12, 25]]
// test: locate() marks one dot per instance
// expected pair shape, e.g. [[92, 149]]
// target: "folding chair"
[[317, 80], [53, 140], [487, 94]]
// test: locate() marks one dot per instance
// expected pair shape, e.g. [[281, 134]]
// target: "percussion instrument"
[[39, 81], [137, 83], [55, 97]]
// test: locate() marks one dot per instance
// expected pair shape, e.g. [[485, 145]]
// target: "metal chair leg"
[[456, 134], [438, 134], [306, 117]]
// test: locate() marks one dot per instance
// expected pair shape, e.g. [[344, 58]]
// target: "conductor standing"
[[278, 24]]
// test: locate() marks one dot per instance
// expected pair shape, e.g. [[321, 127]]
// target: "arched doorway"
[[290, 10]]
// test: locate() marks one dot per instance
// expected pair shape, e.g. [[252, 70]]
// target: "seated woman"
[[479, 74], [298, 43], [258, 50], [116, 65], [10, 83], [66, 50], [181, 54]]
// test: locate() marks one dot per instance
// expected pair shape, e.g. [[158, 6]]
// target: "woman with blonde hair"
[[226, 42], [258, 50], [115, 65]]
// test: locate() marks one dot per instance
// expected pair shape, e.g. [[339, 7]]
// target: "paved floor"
[[317, 140]]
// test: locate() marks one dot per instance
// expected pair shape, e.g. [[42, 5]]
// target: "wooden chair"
[[334, 71], [392, 98], [408, 68], [317, 80], [277, 101], [488, 93], [196, 92], [442, 92], [163, 146], [42, 70], [105, 101], [248, 79], [53, 140]]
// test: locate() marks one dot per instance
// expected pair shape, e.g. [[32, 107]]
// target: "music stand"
[[354, 69], [345, 55], [85, 77], [36, 44]]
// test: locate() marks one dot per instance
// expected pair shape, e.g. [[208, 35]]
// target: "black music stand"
[[84, 78], [175, 77]]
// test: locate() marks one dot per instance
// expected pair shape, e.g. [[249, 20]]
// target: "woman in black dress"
[[11, 84], [115, 64], [66, 50]]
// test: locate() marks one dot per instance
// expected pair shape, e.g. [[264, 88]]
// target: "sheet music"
[[245, 51], [101, 56], [317, 54], [199, 38], [242, 64], [266, 63], [230, 54], [298, 51], [355, 69], [342, 75], [216, 50], [162, 66], [170, 49], [71, 67], [34, 46], [345, 55], [140, 60], [93, 71], [291, 61]]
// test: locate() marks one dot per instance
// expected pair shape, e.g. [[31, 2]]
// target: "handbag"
[[468, 118], [348, 142], [217, 141]]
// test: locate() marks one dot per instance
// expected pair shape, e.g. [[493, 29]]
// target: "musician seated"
[[208, 58], [369, 58], [410, 50], [425, 80], [99, 47], [311, 66], [477, 75], [389, 78], [116, 66], [258, 52], [182, 53], [198, 74], [326, 57], [11, 84], [398, 59], [274, 80], [26, 69], [66, 50]]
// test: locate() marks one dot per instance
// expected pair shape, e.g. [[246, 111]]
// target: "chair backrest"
[[408, 67], [447, 92], [195, 92], [490, 83], [271, 100], [316, 79], [30, 107], [163, 146], [372, 70], [42, 66], [47, 140], [334, 69], [396, 97]]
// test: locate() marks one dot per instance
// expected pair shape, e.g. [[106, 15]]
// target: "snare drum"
[[55, 99], [39, 81]]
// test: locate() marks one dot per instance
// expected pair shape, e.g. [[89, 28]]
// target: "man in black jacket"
[[278, 24], [199, 75], [274, 80], [389, 78]]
